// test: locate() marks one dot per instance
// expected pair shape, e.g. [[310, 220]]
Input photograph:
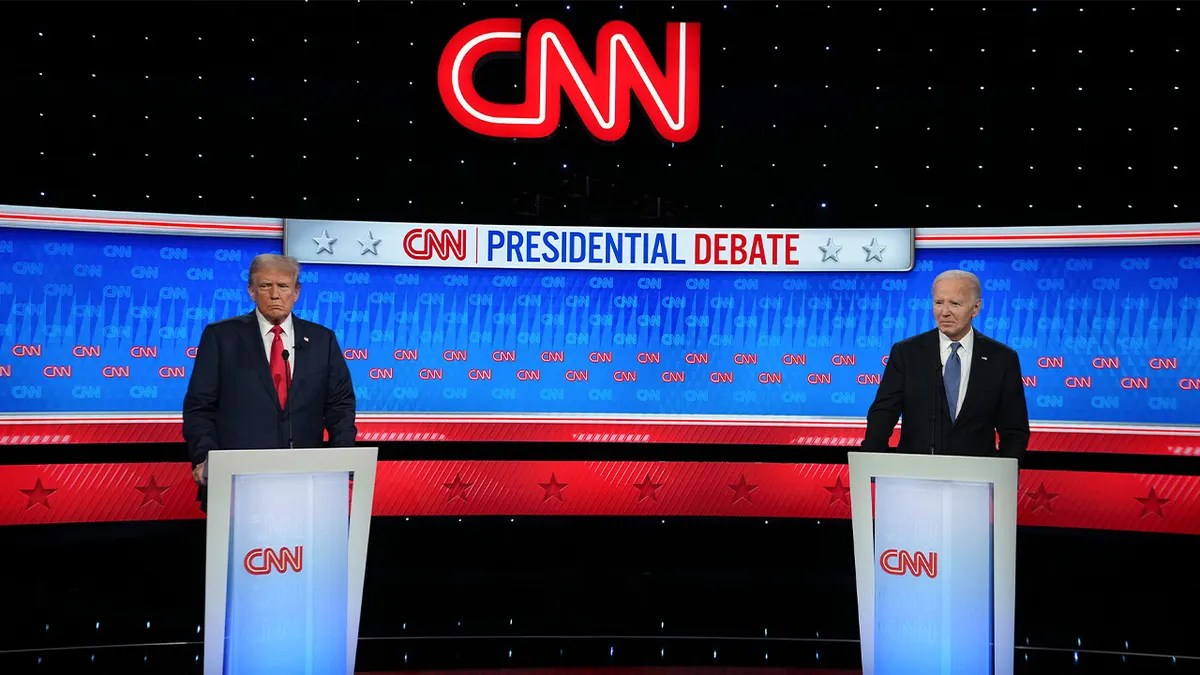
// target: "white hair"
[[962, 275]]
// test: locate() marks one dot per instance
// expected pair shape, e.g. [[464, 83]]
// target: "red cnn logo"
[[894, 561], [425, 244], [553, 63], [261, 561]]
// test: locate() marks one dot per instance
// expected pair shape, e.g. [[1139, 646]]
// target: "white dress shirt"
[[288, 337], [967, 346]]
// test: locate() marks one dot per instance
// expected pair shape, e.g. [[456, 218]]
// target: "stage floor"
[[588, 595]]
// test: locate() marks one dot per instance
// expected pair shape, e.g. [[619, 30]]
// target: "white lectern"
[[286, 554], [935, 542]]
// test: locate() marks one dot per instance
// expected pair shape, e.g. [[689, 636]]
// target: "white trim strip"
[[599, 418]]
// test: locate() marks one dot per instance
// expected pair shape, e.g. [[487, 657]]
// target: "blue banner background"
[[1107, 332]]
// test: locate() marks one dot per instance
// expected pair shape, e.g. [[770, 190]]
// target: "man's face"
[[274, 291], [954, 306]]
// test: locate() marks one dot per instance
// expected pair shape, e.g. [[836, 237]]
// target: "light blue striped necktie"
[[952, 373]]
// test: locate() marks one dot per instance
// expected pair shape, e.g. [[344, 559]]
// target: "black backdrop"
[[883, 112], [822, 114]]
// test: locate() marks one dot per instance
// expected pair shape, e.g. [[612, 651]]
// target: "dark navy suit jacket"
[[231, 402], [911, 391]]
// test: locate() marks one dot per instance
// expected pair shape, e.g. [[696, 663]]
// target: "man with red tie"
[[267, 379]]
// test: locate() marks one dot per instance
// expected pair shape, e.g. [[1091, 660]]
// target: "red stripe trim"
[[1128, 441], [248, 227], [1052, 237], [376, 418]]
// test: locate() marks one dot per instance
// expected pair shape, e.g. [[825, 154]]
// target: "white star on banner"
[[325, 242], [875, 250], [830, 251], [369, 245]]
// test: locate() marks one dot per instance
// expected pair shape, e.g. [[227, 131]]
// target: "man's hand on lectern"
[[200, 473]]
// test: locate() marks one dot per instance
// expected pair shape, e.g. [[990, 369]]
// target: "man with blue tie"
[[267, 379], [953, 389]]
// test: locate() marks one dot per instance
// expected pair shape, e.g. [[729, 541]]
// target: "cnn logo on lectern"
[[900, 562], [259, 561]]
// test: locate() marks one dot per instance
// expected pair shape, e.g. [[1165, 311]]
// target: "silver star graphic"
[[830, 251], [370, 244], [325, 242], [875, 250]]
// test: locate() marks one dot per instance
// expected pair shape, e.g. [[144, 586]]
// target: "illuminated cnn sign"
[[425, 244], [554, 64], [259, 561], [899, 562]]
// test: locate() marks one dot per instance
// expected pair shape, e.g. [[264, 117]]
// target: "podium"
[[935, 540], [285, 556]]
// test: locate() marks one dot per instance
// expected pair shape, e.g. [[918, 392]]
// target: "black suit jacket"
[[911, 390], [231, 402]]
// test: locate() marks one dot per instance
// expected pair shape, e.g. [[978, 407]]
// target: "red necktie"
[[279, 367]]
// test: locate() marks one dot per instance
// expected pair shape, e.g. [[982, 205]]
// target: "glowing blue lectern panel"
[[287, 577], [933, 580]]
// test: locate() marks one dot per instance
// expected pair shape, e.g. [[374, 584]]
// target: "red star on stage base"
[[1152, 504], [152, 491], [38, 495], [1041, 499], [457, 489], [553, 489], [741, 490], [647, 489], [839, 492]]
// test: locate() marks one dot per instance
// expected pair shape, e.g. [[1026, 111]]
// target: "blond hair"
[[276, 262]]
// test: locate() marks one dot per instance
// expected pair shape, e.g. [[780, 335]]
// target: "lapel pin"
[[982, 357], [306, 338]]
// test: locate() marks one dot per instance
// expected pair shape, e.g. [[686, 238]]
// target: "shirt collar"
[[967, 342], [264, 326]]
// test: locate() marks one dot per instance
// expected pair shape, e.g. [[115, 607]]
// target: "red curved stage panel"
[[50, 429], [74, 493]]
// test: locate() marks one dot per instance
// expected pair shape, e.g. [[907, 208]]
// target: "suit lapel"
[[253, 344], [302, 353], [933, 356]]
